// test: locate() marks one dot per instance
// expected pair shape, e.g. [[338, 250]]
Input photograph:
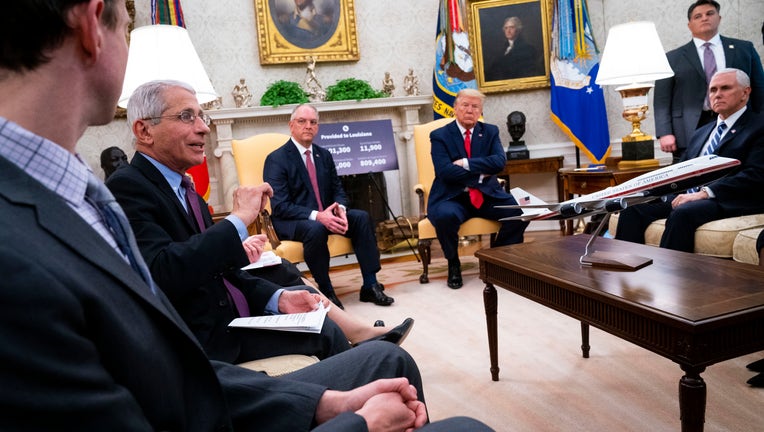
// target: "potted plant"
[[283, 93], [352, 89]]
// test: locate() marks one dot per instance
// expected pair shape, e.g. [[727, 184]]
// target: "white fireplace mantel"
[[237, 123]]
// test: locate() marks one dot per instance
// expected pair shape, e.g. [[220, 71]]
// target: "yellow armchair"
[[426, 171], [249, 156]]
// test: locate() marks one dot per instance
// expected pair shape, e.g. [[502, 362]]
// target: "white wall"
[[395, 35]]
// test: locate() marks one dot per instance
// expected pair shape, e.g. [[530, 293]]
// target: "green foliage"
[[352, 89], [283, 93]]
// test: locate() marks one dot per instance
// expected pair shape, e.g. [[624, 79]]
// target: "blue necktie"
[[115, 219], [711, 149], [713, 146]]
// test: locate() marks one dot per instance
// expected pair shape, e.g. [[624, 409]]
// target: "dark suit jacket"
[[86, 346], [488, 157], [167, 237], [741, 191], [521, 62], [293, 197], [679, 99]]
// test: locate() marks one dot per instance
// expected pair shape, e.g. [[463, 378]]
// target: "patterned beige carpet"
[[348, 279]]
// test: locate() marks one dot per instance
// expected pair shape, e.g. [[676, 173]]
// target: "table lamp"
[[633, 59], [164, 52]]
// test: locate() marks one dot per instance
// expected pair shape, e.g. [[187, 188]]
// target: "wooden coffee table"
[[691, 309]]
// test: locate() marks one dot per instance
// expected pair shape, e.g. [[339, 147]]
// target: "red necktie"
[[476, 197], [239, 300], [313, 179]]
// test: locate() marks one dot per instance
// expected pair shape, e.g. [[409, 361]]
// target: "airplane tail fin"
[[525, 198], [536, 206]]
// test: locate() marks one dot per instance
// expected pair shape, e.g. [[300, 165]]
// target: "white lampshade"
[[633, 54], [164, 52]]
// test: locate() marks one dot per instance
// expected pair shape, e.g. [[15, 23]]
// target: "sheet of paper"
[[308, 322], [267, 259]]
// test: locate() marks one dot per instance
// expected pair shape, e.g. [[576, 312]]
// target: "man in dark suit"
[[681, 101], [308, 209], [737, 133], [465, 184], [112, 159], [89, 343], [516, 58], [192, 266]]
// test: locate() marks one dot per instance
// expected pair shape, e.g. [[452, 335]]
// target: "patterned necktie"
[[313, 179], [709, 66], [711, 149], [192, 199], [713, 146], [476, 197], [100, 196]]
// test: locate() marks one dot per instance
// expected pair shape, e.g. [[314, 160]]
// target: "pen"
[[591, 168]]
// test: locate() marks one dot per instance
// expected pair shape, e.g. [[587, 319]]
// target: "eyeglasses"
[[302, 121], [187, 117]]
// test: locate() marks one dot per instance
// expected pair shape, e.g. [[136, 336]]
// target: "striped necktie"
[[714, 145]]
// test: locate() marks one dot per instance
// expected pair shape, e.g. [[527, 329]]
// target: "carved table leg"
[[692, 399], [425, 254], [490, 302], [585, 339]]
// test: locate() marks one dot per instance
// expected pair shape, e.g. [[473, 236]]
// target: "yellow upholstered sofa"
[[731, 238]]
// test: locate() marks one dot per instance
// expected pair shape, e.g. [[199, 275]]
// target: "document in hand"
[[308, 322], [267, 259]]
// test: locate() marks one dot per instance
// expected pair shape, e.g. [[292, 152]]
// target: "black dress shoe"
[[396, 335], [757, 381], [455, 276], [757, 366], [379, 323], [374, 294], [333, 298]]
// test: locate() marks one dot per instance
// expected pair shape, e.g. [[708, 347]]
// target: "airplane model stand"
[[615, 260]]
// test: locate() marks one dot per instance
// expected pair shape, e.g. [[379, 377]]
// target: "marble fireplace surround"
[[238, 123]]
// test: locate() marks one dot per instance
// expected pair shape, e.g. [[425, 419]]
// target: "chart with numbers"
[[359, 147]]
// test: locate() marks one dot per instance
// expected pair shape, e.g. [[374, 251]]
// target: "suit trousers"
[[681, 222], [446, 216], [314, 237]]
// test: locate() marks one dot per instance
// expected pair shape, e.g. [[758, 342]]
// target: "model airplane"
[[653, 185]]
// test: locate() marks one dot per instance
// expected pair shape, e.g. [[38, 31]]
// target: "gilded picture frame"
[[289, 31], [499, 68]]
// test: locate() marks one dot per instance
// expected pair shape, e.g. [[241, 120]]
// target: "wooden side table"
[[535, 165], [586, 182]]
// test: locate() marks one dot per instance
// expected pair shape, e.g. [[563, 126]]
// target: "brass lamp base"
[[633, 164]]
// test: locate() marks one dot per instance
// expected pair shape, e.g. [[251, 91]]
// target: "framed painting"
[[289, 31], [509, 40]]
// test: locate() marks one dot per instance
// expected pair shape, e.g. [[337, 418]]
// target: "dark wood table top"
[[688, 293]]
